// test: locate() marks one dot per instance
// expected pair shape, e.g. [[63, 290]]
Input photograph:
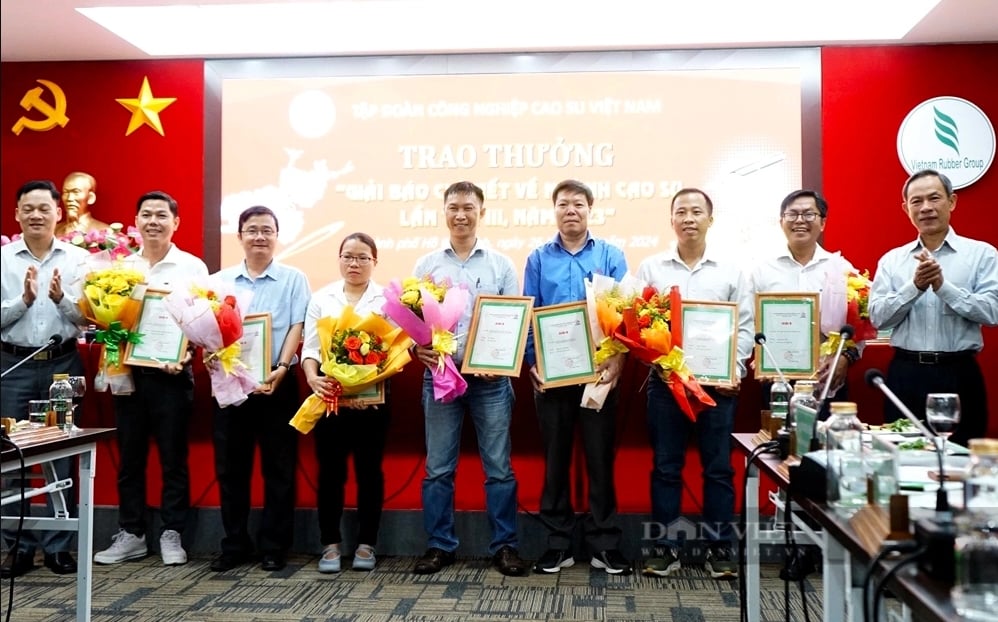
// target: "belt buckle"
[[41, 356], [928, 358]]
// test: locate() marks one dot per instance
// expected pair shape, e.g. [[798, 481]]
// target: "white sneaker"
[[124, 546], [171, 549]]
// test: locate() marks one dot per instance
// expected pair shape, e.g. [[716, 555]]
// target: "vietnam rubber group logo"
[[950, 135]]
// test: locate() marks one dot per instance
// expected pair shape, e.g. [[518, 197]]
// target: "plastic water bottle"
[[779, 401], [61, 401], [975, 590], [845, 470], [803, 398]]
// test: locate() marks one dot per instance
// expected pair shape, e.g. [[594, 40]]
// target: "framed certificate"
[[255, 346], [563, 344], [371, 396], [162, 340], [710, 341], [498, 335], [791, 325]]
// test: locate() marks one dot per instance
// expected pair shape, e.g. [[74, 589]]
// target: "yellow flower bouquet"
[[358, 352], [110, 302]]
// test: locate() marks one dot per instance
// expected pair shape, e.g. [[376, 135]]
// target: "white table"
[[43, 446]]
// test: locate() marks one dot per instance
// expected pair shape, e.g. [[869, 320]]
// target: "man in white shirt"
[[41, 285], [160, 407], [935, 294], [700, 275], [805, 266]]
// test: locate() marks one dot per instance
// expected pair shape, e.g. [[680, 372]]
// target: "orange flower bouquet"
[[653, 333], [358, 352], [858, 305], [605, 300]]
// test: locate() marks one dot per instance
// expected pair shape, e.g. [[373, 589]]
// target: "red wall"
[[866, 92]]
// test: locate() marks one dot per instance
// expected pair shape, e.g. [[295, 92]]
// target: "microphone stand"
[[48, 345]]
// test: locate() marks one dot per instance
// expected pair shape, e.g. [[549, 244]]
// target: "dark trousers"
[[31, 381], [362, 433], [559, 413], [669, 429], [159, 408], [912, 381], [236, 430]]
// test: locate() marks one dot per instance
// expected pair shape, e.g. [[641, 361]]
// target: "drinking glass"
[[942, 412], [79, 384], [38, 411]]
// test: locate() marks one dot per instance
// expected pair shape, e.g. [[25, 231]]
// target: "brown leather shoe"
[[433, 560], [507, 561], [17, 564]]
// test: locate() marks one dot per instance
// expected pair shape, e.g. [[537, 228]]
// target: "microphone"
[[54, 340], [875, 378], [845, 333], [760, 338]]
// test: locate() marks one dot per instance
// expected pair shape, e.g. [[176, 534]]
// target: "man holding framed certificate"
[[556, 274], [468, 261], [282, 293], [805, 266], [161, 405], [701, 275]]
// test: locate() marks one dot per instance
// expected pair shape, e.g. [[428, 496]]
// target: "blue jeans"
[[669, 429], [490, 405]]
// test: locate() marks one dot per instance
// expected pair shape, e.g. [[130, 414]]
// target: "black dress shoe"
[[17, 564], [228, 561], [507, 561], [60, 563], [273, 561], [433, 560]]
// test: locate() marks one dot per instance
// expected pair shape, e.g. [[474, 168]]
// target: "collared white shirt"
[[177, 267], [785, 274], [22, 325], [711, 279], [948, 320], [330, 302]]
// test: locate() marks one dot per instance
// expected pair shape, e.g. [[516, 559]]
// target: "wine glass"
[[942, 412], [79, 384]]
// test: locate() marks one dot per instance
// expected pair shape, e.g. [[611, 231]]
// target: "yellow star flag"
[[145, 109]]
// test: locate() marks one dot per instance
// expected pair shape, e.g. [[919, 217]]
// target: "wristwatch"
[[283, 364]]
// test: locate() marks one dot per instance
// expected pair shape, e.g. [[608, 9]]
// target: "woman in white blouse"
[[360, 432]]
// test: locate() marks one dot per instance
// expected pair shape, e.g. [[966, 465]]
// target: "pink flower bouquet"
[[210, 313], [116, 240], [428, 312]]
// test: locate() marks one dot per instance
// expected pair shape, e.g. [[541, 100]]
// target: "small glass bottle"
[[779, 402], [975, 590], [61, 401], [846, 474], [803, 397]]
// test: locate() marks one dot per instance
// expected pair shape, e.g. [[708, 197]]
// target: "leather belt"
[[64, 348], [933, 358]]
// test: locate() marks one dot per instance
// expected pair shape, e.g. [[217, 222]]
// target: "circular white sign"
[[950, 135]]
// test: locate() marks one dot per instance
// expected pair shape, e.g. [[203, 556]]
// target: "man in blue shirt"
[[488, 399], [556, 273], [283, 292]]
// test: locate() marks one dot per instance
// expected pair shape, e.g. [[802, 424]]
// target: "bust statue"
[[78, 194]]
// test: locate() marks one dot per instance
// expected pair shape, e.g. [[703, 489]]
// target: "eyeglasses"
[[265, 232], [791, 216], [362, 260]]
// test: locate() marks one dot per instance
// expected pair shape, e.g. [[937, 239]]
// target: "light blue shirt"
[[948, 320], [281, 290], [555, 275], [711, 279], [26, 326], [485, 271]]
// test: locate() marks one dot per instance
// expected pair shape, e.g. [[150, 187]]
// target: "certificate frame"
[[478, 358], [575, 315], [172, 351], [710, 341], [259, 364], [371, 396], [798, 324]]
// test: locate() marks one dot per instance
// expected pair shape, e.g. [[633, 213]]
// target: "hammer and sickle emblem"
[[54, 115]]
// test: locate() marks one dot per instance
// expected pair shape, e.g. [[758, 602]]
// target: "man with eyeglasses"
[[41, 284], [282, 292], [468, 260], [936, 293], [805, 266]]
